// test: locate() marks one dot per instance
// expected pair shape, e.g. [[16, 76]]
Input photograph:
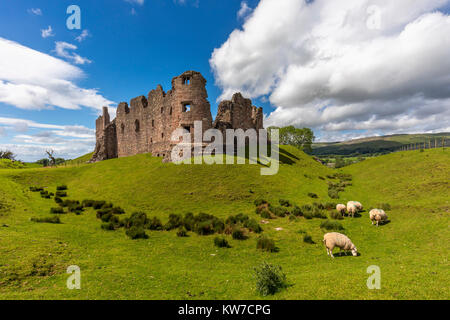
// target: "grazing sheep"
[[351, 209], [334, 239], [378, 215], [341, 208], [357, 204]]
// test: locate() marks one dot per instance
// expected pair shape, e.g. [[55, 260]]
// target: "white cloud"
[[45, 33], [30, 79], [83, 35], [244, 11], [68, 141], [195, 3], [35, 11], [139, 2], [342, 66], [61, 50]]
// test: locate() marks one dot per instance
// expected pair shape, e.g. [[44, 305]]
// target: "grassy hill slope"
[[34, 257]]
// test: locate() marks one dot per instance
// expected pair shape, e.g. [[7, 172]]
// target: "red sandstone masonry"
[[147, 124]]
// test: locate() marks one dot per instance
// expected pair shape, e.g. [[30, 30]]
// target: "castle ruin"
[[147, 124]]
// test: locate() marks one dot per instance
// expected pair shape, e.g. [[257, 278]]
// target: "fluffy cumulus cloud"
[[30, 79], [343, 67], [244, 11]]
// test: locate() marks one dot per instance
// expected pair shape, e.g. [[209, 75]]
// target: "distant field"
[[412, 250], [373, 145]]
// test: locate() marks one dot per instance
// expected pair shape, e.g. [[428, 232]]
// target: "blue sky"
[[261, 48]]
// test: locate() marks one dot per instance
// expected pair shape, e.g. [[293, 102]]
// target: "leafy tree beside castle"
[[300, 138]]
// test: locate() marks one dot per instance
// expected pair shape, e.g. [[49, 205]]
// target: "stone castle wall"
[[146, 125]]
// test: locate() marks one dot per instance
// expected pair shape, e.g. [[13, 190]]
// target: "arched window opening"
[[136, 126]]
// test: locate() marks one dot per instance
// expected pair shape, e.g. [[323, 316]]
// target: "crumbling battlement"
[[146, 125]]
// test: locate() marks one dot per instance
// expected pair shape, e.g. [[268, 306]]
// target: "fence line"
[[430, 144]]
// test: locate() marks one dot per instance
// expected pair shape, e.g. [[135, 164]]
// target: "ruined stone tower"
[[147, 124]]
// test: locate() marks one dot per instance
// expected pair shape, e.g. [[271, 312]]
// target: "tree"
[[6, 154], [300, 138], [52, 160]]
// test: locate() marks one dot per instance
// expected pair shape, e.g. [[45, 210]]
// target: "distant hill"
[[373, 145]]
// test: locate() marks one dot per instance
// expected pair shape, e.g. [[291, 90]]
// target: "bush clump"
[[336, 215], [297, 211], [87, 203], [331, 225], [136, 232], [36, 189], [58, 200], [266, 244], [61, 194], [182, 232], [269, 279], [308, 239], [61, 187], [260, 202], [313, 195], [108, 226], [333, 193], [238, 234], [279, 211], [54, 219], [175, 221], [98, 204], [137, 219], [284, 203], [253, 226], [57, 210], [154, 224], [221, 242]]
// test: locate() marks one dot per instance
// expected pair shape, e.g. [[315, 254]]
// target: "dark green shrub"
[[117, 210], [136, 232], [333, 193], [137, 219], [313, 195], [61, 187], [331, 225], [204, 228], [175, 221], [239, 218], [75, 207], [54, 219], [98, 204], [279, 211], [308, 215], [109, 217], [266, 214], [109, 226], [154, 224], [259, 202], [297, 212], [308, 239], [238, 234], [284, 203], [57, 210], [189, 221], [102, 212], [221, 242], [252, 225], [61, 194], [36, 189], [107, 205], [182, 232], [88, 203], [269, 279], [319, 214], [69, 203], [266, 244], [336, 215]]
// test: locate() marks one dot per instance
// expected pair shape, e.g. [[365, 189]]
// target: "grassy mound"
[[411, 250]]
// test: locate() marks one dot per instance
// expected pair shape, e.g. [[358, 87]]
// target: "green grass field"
[[412, 250]]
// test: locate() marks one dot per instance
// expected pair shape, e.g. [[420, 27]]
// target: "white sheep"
[[341, 208], [334, 239], [351, 209], [357, 204], [378, 215]]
